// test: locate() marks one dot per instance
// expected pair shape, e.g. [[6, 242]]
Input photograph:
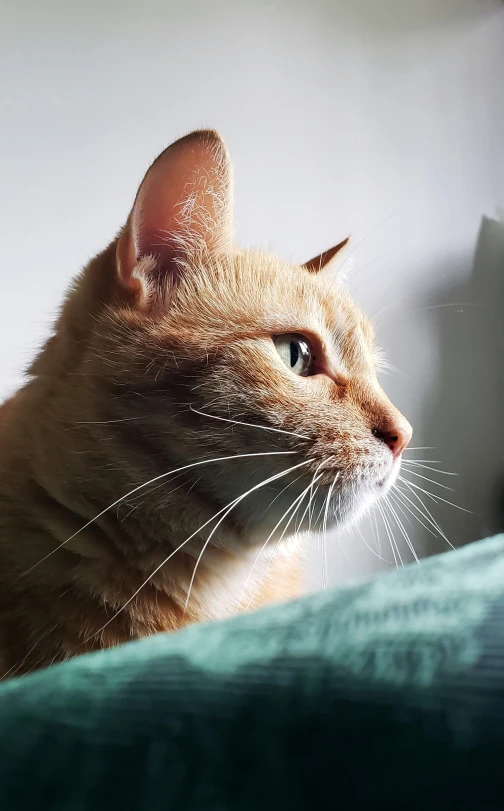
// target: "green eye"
[[295, 352]]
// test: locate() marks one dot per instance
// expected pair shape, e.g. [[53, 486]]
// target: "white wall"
[[383, 118]]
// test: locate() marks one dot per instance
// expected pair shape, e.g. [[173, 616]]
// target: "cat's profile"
[[196, 405]]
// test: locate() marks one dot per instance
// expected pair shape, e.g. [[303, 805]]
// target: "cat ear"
[[183, 209], [323, 259]]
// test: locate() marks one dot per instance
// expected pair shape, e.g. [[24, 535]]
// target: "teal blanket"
[[383, 695]]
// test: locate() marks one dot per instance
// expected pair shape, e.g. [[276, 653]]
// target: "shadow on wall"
[[465, 419], [462, 419]]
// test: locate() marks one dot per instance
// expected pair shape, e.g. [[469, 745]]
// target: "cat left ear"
[[323, 259], [183, 209]]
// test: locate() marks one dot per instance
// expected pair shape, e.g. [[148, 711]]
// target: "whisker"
[[324, 529], [300, 501], [427, 514], [297, 501], [405, 498], [377, 536], [248, 424], [379, 508], [110, 422], [322, 546], [283, 491], [373, 551], [454, 304], [146, 484], [232, 506], [432, 481], [226, 509], [300, 522], [393, 544], [339, 534], [384, 309], [393, 536], [435, 497], [18, 665], [366, 265], [324, 462], [420, 448], [402, 529], [402, 504], [419, 463], [364, 239]]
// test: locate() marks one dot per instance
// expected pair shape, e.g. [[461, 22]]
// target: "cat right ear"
[[183, 210], [323, 259]]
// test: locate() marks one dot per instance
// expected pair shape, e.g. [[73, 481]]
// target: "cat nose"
[[396, 434]]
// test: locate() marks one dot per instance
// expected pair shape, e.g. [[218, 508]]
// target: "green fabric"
[[384, 695]]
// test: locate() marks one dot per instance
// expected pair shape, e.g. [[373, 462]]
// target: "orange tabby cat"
[[196, 406]]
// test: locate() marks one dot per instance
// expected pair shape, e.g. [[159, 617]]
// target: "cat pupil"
[[294, 353]]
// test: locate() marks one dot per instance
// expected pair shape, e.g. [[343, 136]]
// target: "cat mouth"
[[388, 480]]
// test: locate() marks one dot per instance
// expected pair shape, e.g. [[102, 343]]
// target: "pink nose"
[[396, 435]]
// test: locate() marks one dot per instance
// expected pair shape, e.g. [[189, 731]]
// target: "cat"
[[197, 406]]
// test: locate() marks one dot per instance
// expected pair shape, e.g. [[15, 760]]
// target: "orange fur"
[[167, 329]]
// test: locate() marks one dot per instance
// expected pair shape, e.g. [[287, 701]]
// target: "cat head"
[[256, 376]]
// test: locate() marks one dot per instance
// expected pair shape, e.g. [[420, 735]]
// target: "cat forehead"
[[250, 293], [321, 296], [343, 329], [292, 298]]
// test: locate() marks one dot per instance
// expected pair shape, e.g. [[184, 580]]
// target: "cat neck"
[[68, 565], [103, 517]]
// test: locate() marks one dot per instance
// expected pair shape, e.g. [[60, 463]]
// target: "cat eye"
[[295, 351]]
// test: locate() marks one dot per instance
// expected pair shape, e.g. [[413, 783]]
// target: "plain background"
[[379, 118]]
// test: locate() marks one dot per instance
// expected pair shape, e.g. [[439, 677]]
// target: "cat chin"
[[350, 511], [267, 529], [354, 504]]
